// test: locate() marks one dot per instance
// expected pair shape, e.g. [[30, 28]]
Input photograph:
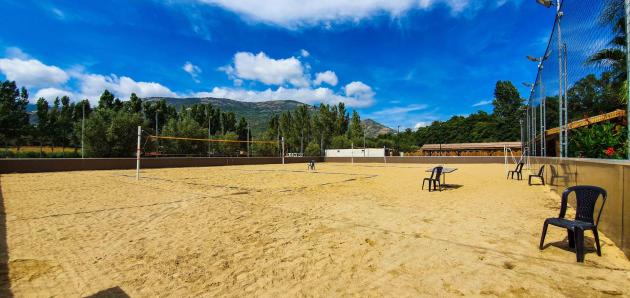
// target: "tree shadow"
[[115, 292], [5, 282]]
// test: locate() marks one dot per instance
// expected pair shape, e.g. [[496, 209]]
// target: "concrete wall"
[[36, 165], [422, 159], [613, 176]]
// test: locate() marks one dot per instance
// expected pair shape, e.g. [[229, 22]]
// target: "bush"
[[605, 140], [340, 142], [312, 150]]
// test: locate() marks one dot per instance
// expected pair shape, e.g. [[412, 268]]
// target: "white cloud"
[[328, 77], [401, 110], [58, 13], [92, 85], [79, 84], [305, 95], [410, 116], [358, 88], [292, 13], [51, 93], [482, 103], [421, 124], [267, 70], [32, 73], [304, 53], [192, 70], [15, 52]]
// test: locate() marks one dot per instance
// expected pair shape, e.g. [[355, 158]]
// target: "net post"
[[282, 140], [352, 152], [384, 155], [138, 153]]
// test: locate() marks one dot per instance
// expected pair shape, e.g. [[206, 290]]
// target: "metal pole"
[[522, 137], [384, 155], [157, 134], [82, 130], [248, 139], [364, 149], [627, 5], [352, 152], [561, 99], [209, 135], [138, 153], [398, 139], [282, 150]]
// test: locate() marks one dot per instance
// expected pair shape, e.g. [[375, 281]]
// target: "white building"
[[367, 152]]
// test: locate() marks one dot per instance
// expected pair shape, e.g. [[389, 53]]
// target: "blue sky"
[[400, 62]]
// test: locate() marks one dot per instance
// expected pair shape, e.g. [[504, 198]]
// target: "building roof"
[[472, 146]]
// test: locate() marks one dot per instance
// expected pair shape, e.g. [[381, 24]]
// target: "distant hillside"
[[257, 113], [374, 129]]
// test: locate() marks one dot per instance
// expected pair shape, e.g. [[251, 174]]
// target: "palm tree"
[[613, 58]]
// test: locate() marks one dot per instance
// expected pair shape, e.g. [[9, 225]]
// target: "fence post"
[[282, 150]]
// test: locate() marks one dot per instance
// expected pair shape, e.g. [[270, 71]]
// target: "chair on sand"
[[539, 176], [586, 199], [311, 165], [436, 173], [518, 171]]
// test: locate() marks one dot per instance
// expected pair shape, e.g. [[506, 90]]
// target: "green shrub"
[[606, 140]]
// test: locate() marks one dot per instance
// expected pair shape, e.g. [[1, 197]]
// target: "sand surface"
[[273, 230]]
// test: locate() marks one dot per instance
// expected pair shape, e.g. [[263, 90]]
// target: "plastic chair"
[[518, 171], [586, 200], [540, 176], [436, 173], [311, 165]]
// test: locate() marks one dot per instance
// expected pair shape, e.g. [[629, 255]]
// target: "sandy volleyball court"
[[362, 230]]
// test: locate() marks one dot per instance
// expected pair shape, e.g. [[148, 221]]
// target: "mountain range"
[[259, 113]]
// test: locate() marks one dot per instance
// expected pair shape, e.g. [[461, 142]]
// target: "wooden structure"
[[468, 149], [553, 144]]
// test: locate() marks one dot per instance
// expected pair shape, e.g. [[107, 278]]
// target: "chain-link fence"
[[578, 100]]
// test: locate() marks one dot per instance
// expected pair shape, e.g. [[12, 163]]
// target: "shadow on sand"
[[115, 292], [5, 282]]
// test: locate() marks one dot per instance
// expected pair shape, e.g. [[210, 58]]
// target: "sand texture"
[[272, 230]]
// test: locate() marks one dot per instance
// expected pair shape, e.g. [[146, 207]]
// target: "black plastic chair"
[[540, 176], [586, 199], [311, 165], [436, 173], [518, 171]]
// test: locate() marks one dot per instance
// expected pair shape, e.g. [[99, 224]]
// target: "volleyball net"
[[215, 146]]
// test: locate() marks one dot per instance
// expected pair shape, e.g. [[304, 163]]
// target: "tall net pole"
[[138, 153], [282, 144], [562, 105]]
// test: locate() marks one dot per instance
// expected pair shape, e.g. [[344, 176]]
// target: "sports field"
[[278, 230]]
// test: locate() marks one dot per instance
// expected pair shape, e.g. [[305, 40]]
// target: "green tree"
[[184, 127], [312, 149], [106, 100], [42, 123], [111, 134], [355, 131], [134, 105], [14, 120], [507, 108]]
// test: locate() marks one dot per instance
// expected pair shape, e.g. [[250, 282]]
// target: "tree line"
[[109, 129]]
